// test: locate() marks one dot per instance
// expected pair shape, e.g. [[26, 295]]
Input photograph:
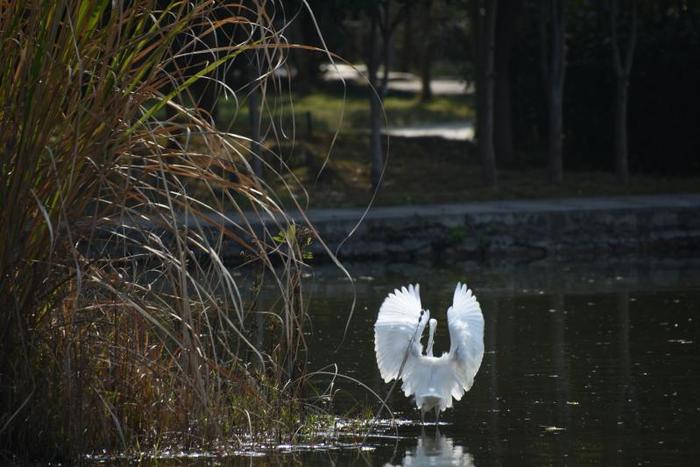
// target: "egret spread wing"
[[466, 325], [399, 324]]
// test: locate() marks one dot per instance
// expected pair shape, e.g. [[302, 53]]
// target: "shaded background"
[[424, 43]]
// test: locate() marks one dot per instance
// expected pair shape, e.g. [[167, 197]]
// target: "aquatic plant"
[[120, 325]]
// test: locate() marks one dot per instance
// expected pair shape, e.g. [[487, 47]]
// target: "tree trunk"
[[503, 124], [427, 52], [485, 49], [553, 63], [375, 105], [386, 31], [556, 143], [303, 31], [621, 165], [407, 48], [622, 72]]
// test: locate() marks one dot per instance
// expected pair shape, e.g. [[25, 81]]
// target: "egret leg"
[[422, 417], [437, 416]]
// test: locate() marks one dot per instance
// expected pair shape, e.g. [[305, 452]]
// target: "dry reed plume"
[[119, 323]]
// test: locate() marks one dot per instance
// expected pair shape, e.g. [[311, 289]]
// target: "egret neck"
[[433, 324]]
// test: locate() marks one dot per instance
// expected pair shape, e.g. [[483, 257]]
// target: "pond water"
[[594, 363], [587, 363]]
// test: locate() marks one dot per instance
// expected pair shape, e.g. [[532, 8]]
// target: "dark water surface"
[[593, 363]]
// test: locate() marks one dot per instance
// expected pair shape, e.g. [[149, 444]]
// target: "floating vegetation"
[[341, 434]]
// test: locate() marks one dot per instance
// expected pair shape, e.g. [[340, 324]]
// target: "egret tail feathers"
[[432, 382]]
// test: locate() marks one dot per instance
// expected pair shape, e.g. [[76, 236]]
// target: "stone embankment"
[[665, 225], [660, 224]]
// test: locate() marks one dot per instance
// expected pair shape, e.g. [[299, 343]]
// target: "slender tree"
[[552, 27], [407, 59], [427, 51], [622, 62], [508, 12], [383, 24], [484, 20], [375, 101]]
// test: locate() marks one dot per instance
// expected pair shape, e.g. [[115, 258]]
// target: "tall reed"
[[119, 322]]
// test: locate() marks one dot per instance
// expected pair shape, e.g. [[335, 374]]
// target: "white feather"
[[466, 325], [433, 381], [400, 323]]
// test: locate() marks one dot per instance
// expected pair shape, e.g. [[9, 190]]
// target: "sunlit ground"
[[439, 171], [330, 159]]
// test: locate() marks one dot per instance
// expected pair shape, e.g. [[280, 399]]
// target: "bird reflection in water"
[[438, 450]]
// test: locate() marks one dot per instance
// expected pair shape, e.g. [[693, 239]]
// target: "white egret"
[[433, 381]]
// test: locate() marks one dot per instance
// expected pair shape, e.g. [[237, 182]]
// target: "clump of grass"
[[120, 325]]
